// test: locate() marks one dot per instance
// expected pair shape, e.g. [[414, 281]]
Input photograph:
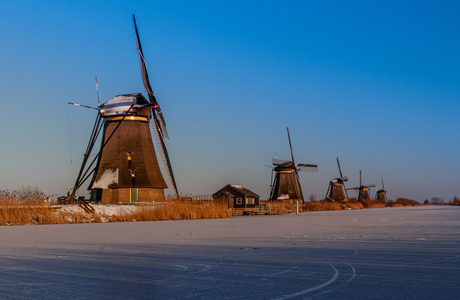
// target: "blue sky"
[[375, 83]]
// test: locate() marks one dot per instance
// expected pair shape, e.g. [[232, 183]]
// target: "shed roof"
[[237, 189]]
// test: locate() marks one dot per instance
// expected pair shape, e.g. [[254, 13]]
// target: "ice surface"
[[387, 253]]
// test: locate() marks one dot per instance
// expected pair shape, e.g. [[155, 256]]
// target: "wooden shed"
[[238, 196]]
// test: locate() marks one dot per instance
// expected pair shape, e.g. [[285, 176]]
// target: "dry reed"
[[31, 206], [321, 206], [26, 206], [281, 207], [373, 203], [176, 210]]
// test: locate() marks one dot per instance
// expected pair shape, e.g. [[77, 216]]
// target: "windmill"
[[381, 195], [127, 168], [363, 190], [286, 184], [336, 190]]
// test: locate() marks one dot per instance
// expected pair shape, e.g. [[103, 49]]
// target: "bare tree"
[[437, 200]]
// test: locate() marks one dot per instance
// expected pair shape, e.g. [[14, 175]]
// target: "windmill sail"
[[164, 156], [160, 124], [156, 110]]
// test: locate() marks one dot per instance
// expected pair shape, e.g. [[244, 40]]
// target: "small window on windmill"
[[239, 200], [129, 155], [132, 174]]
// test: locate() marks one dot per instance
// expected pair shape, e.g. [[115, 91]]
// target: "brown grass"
[[280, 207], [355, 205], [177, 210], [403, 202], [373, 203], [14, 213], [321, 206], [30, 206], [25, 206]]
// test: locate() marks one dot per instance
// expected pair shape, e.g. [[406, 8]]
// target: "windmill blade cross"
[[353, 188], [86, 106], [308, 167]]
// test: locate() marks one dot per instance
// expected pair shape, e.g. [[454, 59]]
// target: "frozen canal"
[[388, 253]]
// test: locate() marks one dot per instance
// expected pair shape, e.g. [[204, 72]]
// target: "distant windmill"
[[381, 195], [286, 184], [363, 190], [336, 190], [127, 168]]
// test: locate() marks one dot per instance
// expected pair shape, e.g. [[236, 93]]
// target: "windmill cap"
[[119, 105]]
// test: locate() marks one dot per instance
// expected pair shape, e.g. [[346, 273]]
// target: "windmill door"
[[133, 195]]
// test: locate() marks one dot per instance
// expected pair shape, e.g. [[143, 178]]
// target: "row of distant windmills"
[[286, 184], [126, 168]]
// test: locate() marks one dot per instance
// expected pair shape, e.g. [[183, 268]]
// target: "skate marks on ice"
[[253, 273]]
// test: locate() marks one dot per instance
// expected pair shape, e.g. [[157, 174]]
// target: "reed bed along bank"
[[31, 207], [353, 203], [176, 210]]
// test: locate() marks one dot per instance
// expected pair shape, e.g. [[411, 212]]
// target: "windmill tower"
[[286, 184], [381, 195], [363, 190], [127, 168], [336, 190]]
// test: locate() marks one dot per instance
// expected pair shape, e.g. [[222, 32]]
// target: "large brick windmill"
[[286, 184], [127, 168]]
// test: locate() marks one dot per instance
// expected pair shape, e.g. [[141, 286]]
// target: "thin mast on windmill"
[[286, 184], [127, 168]]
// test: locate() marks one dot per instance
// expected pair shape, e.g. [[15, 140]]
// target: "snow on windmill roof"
[[120, 104]]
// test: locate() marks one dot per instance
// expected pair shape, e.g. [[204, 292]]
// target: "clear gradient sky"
[[376, 83]]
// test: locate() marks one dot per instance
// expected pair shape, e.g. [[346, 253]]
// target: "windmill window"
[[129, 155], [132, 173], [239, 200]]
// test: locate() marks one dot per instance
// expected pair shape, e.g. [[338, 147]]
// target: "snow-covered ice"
[[387, 253], [105, 211]]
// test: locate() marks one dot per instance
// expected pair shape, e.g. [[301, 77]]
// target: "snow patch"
[[283, 197], [107, 178], [104, 211]]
